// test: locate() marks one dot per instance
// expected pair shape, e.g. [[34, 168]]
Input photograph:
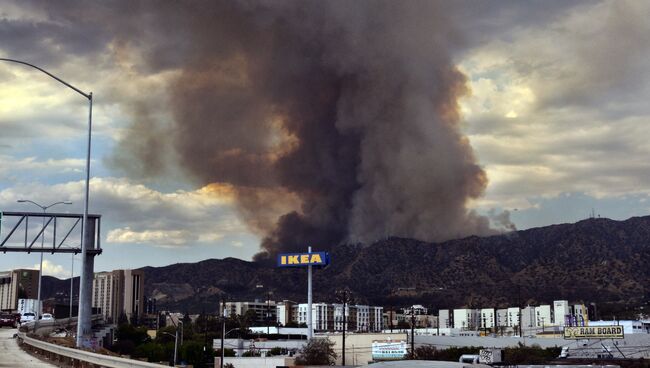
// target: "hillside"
[[595, 260]]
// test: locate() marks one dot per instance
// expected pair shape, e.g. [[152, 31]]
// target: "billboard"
[[303, 259], [596, 332], [388, 350]]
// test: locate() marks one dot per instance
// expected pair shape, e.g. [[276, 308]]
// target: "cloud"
[[136, 214], [561, 106], [164, 237], [52, 269]]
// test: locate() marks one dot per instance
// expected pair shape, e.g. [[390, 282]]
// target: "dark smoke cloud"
[[349, 106], [342, 112]]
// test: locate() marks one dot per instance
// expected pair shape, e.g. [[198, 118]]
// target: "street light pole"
[[39, 309], [85, 279], [71, 286]]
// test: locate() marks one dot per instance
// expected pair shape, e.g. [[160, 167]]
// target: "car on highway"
[[7, 320], [47, 317], [27, 317]]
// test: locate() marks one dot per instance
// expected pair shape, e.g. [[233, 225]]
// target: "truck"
[[27, 306]]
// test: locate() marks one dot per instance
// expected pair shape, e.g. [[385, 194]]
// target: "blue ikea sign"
[[303, 259]]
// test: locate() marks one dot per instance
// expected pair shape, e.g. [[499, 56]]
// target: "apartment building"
[[17, 284], [263, 311], [560, 312], [466, 319], [119, 293], [487, 318], [445, 318]]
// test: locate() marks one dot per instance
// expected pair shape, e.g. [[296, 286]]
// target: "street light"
[[40, 269], [85, 309], [175, 343]]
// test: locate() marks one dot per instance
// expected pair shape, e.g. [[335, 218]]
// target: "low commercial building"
[[358, 346], [416, 309], [629, 327]]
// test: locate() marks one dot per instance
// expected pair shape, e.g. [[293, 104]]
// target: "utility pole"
[[391, 319], [344, 297], [268, 313], [223, 328], [205, 337], [310, 326], [413, 332]]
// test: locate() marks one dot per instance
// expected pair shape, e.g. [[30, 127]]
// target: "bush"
[[427, 352], [277, 351], [152, 351], [317, 352]]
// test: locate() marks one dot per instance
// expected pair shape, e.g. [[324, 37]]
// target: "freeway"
[[13, 356]]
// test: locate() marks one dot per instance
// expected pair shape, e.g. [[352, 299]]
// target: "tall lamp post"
[[85, 280], [40, 269]]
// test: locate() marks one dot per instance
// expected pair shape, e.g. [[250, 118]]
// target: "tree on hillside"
[[317, 352]]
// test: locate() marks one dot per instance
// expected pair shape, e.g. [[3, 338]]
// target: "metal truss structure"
[[62, 226]]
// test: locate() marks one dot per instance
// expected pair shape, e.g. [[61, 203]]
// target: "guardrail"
[[45, 326], [70, 356]]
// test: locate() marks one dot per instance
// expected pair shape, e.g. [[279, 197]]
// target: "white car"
[[27, 317], [47, 317]]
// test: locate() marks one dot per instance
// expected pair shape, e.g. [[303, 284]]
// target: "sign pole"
[[310, 326]]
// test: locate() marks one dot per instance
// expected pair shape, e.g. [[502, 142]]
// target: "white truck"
[[27, 309]]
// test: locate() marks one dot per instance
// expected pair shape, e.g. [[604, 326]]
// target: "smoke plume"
[[332, 120]]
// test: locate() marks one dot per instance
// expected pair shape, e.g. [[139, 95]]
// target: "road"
[[13, 356]]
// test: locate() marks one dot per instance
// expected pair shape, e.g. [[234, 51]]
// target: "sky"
[[555, 111]]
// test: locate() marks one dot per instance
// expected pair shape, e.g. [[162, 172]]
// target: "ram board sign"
[[595, 332], [388, 350], [320, 259]]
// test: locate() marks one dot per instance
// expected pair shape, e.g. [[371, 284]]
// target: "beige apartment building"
[[119, 292], [17, 284]]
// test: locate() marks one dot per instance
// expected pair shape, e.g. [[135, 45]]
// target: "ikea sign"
[[303, 259]]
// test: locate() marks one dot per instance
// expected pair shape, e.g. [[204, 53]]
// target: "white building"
[[445, 318], [285, 311], [376, 319], [629, 327], [502, 318], [487, 318], [417, 309], [560, 311], [466, 319], [528, 320], [513, 317], [322, 315], [363, 318], [543, 316]]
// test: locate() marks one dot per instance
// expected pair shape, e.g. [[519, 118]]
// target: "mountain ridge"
[[593, 260]]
